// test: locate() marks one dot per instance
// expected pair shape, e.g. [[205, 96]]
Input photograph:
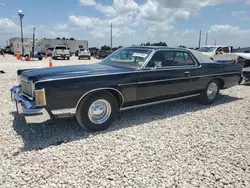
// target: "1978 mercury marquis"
[[130, 77]]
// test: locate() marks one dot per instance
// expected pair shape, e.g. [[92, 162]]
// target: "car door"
[[167, 74]]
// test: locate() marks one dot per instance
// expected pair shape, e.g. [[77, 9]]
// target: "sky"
[[176, 22]]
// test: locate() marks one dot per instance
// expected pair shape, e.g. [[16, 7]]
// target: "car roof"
[[156, 48], [216, 46]]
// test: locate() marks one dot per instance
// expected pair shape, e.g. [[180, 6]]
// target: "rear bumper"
[[62, 55], [24, 105], [84, 56]]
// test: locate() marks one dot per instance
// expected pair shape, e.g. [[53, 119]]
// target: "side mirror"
[[216, 53]]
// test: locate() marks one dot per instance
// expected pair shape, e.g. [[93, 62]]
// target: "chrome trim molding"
[[158, 102], [98, 89], [86, 76], [183, 78], [26, 105], [171, 68], [148, 59], [128, 84], [64, 111], [170, 50], [29, 97]]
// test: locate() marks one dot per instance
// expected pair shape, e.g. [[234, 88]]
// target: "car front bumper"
[[24, 105], [246, 75]]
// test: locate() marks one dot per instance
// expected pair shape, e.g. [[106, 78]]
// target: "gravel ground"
[[178, 144]]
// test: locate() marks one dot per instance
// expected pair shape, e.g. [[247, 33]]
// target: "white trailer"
[[42, 45], [16, 44]]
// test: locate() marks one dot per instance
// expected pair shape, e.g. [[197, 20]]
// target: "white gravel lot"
[[177, 144]]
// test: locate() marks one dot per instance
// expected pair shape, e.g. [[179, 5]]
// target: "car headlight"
[[40, 97], [19, 79]]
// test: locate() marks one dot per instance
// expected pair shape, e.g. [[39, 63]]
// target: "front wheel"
[[210, 94], [68, 58], [97, 112]]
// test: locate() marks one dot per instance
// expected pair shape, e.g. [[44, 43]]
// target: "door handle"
[[187, 73]]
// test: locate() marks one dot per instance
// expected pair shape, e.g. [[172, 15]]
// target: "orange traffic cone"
[[50, 63]]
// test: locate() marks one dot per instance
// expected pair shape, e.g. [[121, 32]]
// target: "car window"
[[157, 57], [60, 48], [179, 59], [219, 49], [225, 50], [188, 59], [171, 58], [128, 56]]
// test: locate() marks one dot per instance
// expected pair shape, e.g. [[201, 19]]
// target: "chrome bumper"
[[23, 105]]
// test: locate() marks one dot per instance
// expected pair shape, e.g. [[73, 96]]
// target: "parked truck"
[[226, 54], [60, 51], [214, 52]]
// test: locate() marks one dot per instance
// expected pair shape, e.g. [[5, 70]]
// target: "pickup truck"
[[61, 51], [214, 51]]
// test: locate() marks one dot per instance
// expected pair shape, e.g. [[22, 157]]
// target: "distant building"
[[41, 45]]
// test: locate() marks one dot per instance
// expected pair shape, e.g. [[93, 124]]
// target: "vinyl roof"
[[156, 47]]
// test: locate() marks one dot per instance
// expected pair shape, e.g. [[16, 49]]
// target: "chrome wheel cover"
[[212, 90], [99, 111]]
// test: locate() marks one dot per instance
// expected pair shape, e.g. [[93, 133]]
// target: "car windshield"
[[61, 48], [207, 49], [128, 56], [84, 50]]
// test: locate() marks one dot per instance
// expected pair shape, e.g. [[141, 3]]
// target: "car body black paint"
[[65, 85]]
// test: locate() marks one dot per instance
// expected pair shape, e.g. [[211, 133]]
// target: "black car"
[[131, 77], [101, 54]]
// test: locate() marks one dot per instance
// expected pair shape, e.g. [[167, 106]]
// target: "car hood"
[[73, 71]]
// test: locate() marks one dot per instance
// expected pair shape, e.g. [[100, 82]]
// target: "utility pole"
[[33, 45], [215, 42], [111, 38], [21, 15], [200, 39], [206, 38]]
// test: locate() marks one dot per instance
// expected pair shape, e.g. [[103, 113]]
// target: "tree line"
[[63, 38], [105, 47]]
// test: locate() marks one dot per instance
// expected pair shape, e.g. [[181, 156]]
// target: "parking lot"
[[177, 144]]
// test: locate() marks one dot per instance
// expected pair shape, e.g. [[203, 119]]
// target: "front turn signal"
[[40, 97]]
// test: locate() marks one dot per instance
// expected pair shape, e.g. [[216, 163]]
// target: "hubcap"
[[212, 90], [99, 111]]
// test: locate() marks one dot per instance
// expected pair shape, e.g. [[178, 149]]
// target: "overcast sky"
[[176, 22]]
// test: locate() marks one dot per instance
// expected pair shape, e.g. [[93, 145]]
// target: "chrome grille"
[[27, 88]]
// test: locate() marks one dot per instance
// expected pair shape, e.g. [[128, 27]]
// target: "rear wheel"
[[97, 112], [68, 58], [210, 93]]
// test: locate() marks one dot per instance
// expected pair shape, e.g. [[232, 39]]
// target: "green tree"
[[105, 47], [58, 38]]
